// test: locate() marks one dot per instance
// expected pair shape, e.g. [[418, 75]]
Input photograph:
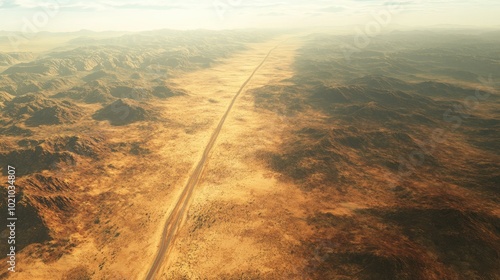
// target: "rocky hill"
[[37, 110], [123, 112]]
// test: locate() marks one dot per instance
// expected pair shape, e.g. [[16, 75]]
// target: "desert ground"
[[253, 155]]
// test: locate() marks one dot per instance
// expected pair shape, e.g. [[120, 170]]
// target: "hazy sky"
[[131, 15]]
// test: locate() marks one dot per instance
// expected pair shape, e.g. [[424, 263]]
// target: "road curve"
[[177, 213]]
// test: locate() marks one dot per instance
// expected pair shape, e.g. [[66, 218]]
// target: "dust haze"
[[362, 150]]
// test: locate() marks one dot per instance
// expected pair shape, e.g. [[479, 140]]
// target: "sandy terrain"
[[243, 221]]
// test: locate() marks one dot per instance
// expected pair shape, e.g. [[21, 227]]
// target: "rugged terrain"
[[333, 163]]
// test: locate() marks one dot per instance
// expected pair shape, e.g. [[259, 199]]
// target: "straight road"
[[175, 217]]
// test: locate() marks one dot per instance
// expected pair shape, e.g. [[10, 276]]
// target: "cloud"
[[100, 5], [332, 9], [154, 14]]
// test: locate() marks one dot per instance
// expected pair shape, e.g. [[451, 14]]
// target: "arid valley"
[[252, 155]]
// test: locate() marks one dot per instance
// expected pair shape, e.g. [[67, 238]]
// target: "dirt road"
[[175, 217]]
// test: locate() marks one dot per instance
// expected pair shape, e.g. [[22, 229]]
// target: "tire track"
[[175, 217]]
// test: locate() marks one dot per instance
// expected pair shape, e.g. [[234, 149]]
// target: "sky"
[[135, 15]]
